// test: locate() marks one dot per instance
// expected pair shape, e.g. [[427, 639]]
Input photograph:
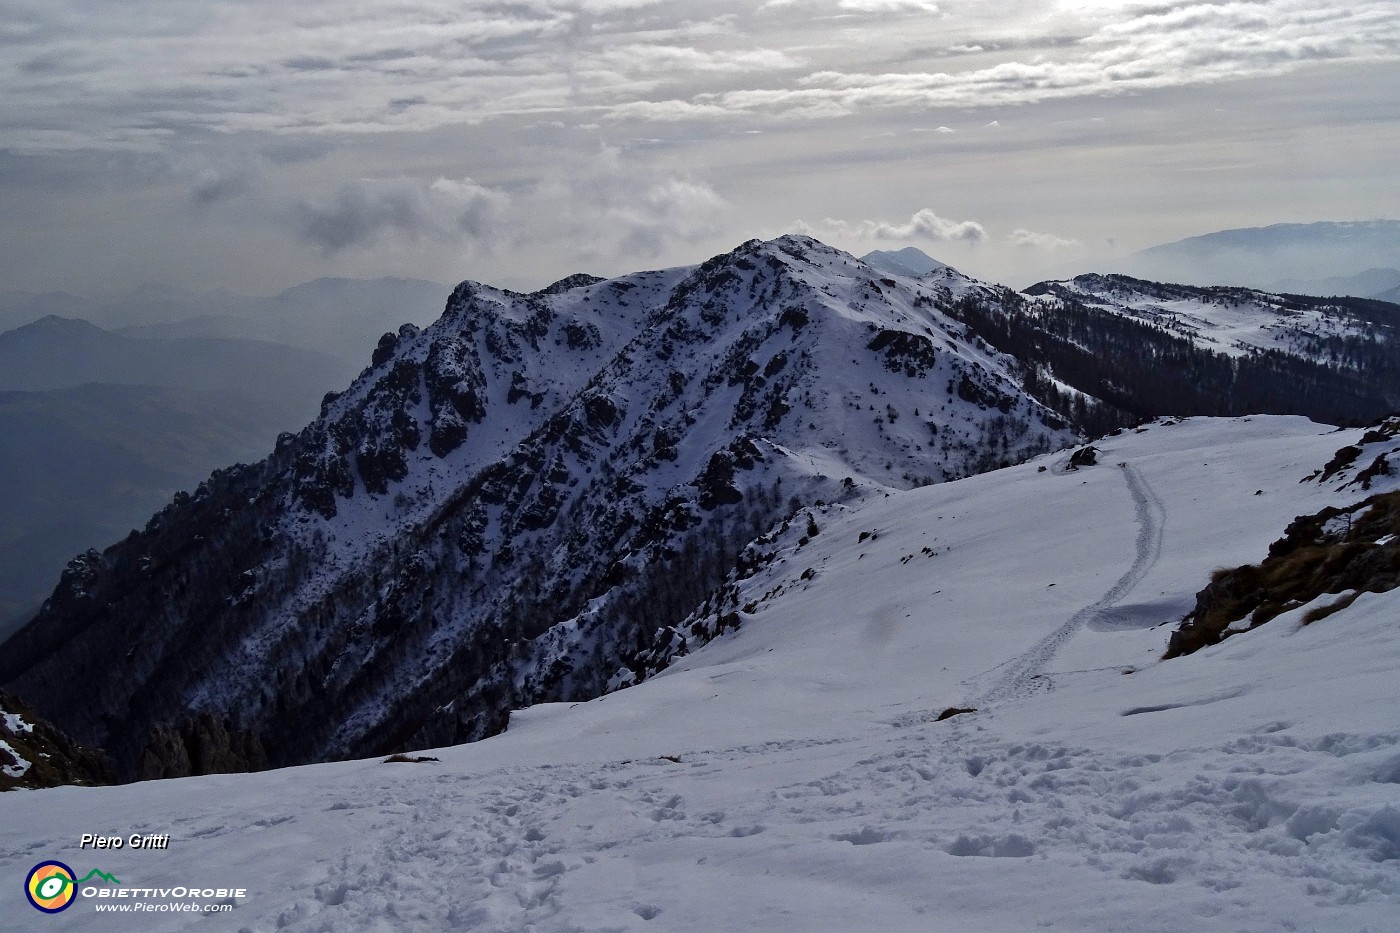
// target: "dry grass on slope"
[[1346, 551]]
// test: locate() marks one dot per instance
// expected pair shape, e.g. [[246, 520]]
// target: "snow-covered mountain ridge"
[[1113, 351], [793, 774], [1235, 321], [510, 505]]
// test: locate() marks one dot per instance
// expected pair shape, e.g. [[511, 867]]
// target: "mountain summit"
[[518, 504], [908, 261]]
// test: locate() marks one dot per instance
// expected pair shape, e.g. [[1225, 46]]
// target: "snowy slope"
[[791, 775], [1228, 320]]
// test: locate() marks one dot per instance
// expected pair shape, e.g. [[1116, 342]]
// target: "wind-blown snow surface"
[[791, 776]]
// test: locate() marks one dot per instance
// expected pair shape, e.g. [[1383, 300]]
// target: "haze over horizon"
[[251, 146]]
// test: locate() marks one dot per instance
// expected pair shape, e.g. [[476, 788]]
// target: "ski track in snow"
[[1025, 675]]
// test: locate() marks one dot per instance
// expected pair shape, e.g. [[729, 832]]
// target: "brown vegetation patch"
[[1349, 550]]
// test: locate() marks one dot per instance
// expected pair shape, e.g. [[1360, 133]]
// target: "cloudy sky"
[[254, 144]]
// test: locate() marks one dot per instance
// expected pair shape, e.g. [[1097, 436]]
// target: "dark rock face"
[[716, 484], [455, 389], [977, 391], [203, 744], [43, 756], [570, 282], [580, 335], [432, 552], [912, 353], [1084, 456], [794, 318]]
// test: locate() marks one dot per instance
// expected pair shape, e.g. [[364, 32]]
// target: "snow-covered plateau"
[[794, 774]]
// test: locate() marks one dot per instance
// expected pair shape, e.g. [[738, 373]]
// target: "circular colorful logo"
[[50, 887]]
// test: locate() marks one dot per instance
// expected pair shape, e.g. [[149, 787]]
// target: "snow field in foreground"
[[792, 776]]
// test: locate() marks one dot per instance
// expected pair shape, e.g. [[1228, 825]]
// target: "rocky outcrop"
[[34, 754], [202, 744]]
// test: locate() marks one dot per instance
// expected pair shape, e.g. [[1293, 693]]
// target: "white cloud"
[[923, 225], [673, 210], [132, 75], [210, 186], [469, 208], [1029, 239], [658, 60], [856, 6], [609, 206], [614, 6], [257, 110], [888, 6], [364, 212]]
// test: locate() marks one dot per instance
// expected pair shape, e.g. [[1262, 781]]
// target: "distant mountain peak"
[[334, 286], [908, 261], [55, 322], [53, 328]]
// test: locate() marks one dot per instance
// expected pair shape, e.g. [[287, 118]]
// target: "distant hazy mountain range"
[[82, 466], [1390, 294], [341, 317], [102, 427], [1370, 283], [1355, 258], [56, 353]]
